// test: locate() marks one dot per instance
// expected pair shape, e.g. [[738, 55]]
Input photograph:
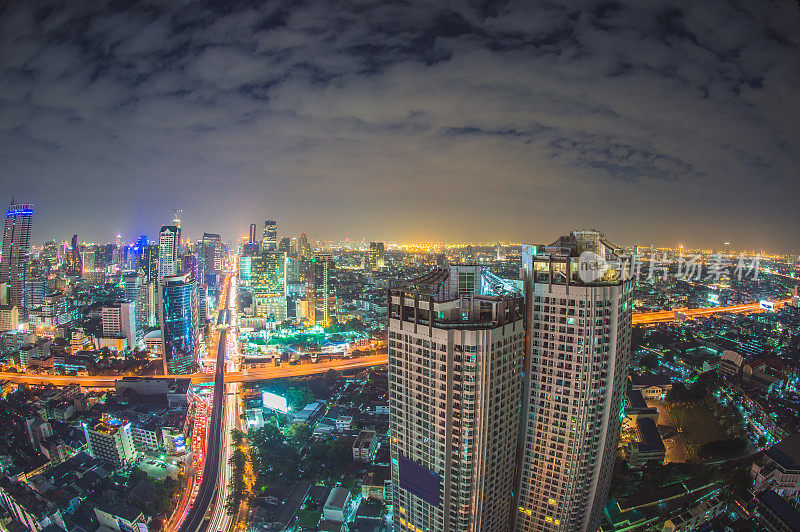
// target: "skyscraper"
[[140, 293], [268, 284], [455, 380], [50, 254], [252, 237], [212, 253], [190, 266], [269, 242], [577, 355], [376, 256], [169, 239], [75, 265], [318, 289], [179, 324], [303, 247], [16, 251], [149, 263]]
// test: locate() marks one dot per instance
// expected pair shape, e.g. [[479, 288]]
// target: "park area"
[[698, 426]]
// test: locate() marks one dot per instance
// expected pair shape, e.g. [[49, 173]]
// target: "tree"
[[299, 434], [649, 361], [236, 483], [237, 436], [299, 397], [354, 324]]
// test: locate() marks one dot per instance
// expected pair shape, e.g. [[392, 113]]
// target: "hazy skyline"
[[659, 123]]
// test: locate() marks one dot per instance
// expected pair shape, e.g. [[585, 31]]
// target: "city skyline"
[[645, 120]]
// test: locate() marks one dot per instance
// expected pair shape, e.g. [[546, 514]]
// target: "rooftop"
[[786, 453]]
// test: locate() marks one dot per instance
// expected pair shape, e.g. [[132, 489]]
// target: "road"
[[645, 318], [300, 370], [195, 520], [276, 372], [219, 516]]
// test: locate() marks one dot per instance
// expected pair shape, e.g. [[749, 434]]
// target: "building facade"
[[169, 239], [16, 252], [577, 356], [269, 240], [179, 324], [455, 360], [111, 440]]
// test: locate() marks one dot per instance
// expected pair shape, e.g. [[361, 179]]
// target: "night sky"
[[655, 121]]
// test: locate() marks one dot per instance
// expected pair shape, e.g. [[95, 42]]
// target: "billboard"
[[419, 480], [766, 304], [275, 402]]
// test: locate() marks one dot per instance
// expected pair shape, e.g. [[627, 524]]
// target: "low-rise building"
[[376, 483], [119, 516], [778, 469], [111, 440], [775, 514], [647, 446], [28, 507], [344, 423], [364, 446], [653, 387], [337, 506], [730, 363]]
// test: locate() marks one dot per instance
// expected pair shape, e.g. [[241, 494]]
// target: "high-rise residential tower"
[[16, 251], [169, 239], [269, 242], [455, 381], [577, 355], [179, 324]]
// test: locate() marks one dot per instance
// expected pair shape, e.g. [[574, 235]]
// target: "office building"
[[50, 254], [9, 318], [285, 244], [303, 247], [269, 240], [74, 266], [245, 267], [577, 355], [190, 265], [318, 290], [252, 238], [110, 440], [149, 263], [143, 297], [179, 324], [169, 239], [455, 361], [16, 252], [87, 262], [119, 320], [376, 257], [213, 253], [202, 303], [268, 285]]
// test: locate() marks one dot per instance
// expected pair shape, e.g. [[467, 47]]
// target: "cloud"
[[655, 121]]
